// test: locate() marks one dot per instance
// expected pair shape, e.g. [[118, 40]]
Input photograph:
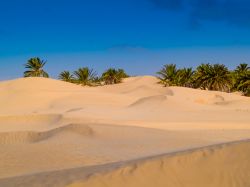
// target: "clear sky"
[[137, 35]]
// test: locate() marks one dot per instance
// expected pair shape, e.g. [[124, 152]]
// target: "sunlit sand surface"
[[135, 134]]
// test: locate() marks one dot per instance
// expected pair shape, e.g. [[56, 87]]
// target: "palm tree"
[[122, 73], [66, 76], [85, 76], [241, 79], [184, 77], [35, 68], [242, 68], [167, 75], [201, 76], [112, 76], [213, 77]]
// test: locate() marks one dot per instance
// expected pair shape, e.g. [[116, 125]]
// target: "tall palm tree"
[[241, 79], [112, 76], [167, 75], [66, 76], [35, 68], [213, 77], [201, 76], [85, 76]]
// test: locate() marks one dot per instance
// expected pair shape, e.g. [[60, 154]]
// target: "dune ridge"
[[225, 165], [210, 166]]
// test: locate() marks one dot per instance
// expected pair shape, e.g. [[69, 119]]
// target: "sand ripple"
[[32, 136]]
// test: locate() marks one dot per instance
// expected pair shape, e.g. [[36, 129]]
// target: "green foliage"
[[66, 76], [34, 68], [85, 76], [241, 79], [122, 73], [212, 77], [168, 75], [184, 77], [207, 76], [113, 76]]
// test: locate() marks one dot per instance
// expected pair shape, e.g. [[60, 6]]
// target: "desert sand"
[[136, 133]]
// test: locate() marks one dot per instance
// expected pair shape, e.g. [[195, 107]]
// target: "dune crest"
[[219, 166]]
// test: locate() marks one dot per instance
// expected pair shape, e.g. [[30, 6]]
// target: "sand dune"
[[61, 133], [219, 166], [225, 165]]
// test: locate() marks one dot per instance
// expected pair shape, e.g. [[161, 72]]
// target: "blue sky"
[[137, 35]]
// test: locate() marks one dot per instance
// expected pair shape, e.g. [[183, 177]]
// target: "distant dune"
[[54, 133]]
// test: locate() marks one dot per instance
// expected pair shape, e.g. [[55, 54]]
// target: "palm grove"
[[84, 76], [206, 76]]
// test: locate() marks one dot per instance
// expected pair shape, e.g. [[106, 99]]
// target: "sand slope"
[[225, 165], [219, 166], [51, 128]]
